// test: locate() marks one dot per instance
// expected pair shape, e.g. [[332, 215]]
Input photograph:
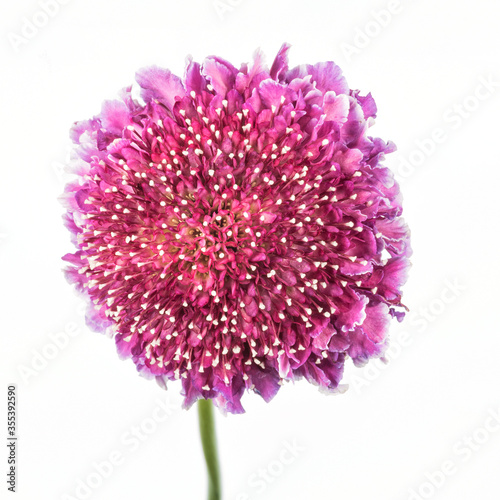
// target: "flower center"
[[212, 237]]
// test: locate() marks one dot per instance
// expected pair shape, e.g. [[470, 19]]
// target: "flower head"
[[236, 228]]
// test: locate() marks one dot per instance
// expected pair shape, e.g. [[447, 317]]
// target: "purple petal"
[[274, 94], [336, 107], [353, 316], [280, 63], [367, 104], [160, 84], [328, 76], [220, 73], [266, 383], [80, 127], [193, 78], [376, 322], [115, 116]]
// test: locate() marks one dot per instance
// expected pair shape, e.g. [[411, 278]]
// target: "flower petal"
[[160, 84], [220, 73]]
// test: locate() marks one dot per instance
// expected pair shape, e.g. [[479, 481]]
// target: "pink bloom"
[[237, 228]]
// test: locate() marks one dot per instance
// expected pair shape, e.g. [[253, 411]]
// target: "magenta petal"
[[96, 320], [125, 344], [336, 107], [288, 277], [254, 101], [115, 116], [362, 348], [349, 160], [160, 84], [339, 342], [280, 63], [353, 316], [367, 104], [328, 76], [333, 370], [395, 234], [220, 73], [190, 392], [193, 78], [355, 126], [81, 127], [395, 275], [271, 92], [376, 322], [324, 337], [230, 395], [246, 82], [266, 383], [284, 369]]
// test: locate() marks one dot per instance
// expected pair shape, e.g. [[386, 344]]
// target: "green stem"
[[209, 443]]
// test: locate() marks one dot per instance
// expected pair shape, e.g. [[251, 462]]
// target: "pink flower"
[[237, 228]]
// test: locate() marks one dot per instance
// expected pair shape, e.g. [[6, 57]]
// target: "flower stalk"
[[209, 444]]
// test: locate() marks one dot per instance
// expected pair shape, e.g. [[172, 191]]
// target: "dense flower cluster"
[[236, 229]]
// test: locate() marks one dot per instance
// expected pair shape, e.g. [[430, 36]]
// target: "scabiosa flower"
[[236, 228]]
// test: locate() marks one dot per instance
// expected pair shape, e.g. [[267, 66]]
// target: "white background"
[[398, 423]]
